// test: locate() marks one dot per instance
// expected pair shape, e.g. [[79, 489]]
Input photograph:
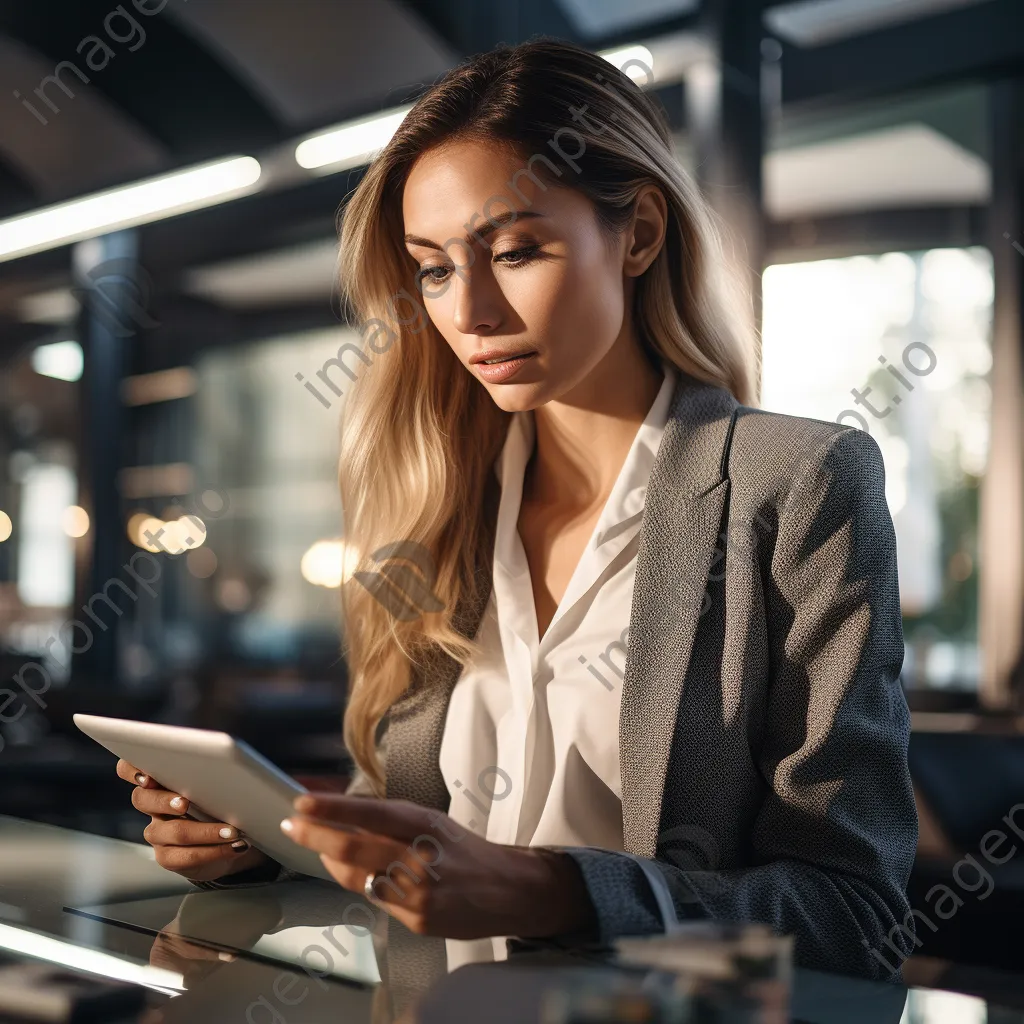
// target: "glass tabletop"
[[258, 953]]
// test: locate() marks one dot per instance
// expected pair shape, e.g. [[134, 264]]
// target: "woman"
[[651, 669]]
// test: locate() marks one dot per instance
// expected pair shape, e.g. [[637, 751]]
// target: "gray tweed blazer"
[[763, 729]]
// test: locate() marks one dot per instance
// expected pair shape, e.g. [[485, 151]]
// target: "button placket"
[[525, 709]]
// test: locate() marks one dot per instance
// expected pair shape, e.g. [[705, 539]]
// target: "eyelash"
[[526, 255]]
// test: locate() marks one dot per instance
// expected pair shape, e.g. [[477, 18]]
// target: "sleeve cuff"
[[620, 892]]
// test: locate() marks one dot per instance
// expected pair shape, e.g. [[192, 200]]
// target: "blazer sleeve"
[[834, 840]]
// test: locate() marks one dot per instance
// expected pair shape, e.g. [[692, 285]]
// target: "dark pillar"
[[1001, 605], [106, 276], [725, 123]]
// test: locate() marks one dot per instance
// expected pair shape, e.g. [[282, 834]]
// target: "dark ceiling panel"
[[314, 62], [86, 143], [16, 194], [599, 19], [155, 73], [978, 42], [472, 26]]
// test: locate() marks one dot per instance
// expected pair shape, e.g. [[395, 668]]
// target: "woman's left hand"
[[434, 876]]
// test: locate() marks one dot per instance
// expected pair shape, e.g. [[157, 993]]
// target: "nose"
[[477, 302]]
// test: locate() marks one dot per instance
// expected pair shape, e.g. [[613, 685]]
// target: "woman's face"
[[547, 285]]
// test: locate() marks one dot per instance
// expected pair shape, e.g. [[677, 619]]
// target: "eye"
[[437, 274], [517, 257]]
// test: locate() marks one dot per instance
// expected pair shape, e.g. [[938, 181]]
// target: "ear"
[[646, 232]]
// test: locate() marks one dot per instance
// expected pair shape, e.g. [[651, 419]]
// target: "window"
[[900, 345]]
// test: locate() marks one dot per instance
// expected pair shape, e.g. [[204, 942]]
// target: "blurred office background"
[[867, 154]]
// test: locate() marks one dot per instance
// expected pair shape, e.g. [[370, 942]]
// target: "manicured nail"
[[226, 956], [287, 825], [140, 778], [228, 832], [241, 846], [178, 803]]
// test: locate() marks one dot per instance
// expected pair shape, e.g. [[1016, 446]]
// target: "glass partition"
[[898, 345]]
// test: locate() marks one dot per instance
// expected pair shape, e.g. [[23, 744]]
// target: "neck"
[[583, 438]]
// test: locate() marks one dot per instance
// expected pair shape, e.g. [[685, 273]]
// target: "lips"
[[490, 354], [499, 372]]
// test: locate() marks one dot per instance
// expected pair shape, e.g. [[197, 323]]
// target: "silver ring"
[[368, 886]]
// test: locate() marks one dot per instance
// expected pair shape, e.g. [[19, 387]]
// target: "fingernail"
[[223, 955], [178, 803], [140, 778], [228, 832], [240, 846], [287, 825]]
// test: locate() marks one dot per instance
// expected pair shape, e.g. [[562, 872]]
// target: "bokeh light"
[[329, 563], [75, 521]]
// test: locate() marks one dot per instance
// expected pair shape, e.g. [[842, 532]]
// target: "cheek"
[[441, 311], [575, 302]]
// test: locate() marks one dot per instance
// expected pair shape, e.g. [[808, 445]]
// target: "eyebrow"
[[494, 224]]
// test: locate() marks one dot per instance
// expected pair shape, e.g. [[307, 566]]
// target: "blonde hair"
[[419, 434]]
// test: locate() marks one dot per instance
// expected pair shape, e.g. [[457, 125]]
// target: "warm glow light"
[[75, 521], [62, 360], [202, 563], [150, 527], [134, 527], [6, 526], [234, 595], [349, 145], [329, 563], [172, 537], [140, 203]]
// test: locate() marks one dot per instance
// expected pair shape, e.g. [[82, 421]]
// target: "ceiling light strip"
[[128, 206]]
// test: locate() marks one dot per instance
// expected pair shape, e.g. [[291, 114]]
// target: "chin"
[[518, 397]]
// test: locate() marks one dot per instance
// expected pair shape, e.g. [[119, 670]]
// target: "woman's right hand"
[[201, 851]]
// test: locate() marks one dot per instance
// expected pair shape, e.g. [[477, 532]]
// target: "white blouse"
[[530, 751]]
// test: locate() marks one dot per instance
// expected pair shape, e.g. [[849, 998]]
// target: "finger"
[[184, 949], [127, 771], [195, 861], [361, 850], [396, 884], [185, 832], [158, 801], [400, 819]]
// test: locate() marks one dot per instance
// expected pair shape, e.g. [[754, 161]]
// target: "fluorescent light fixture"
[[62, 359], [93, 961], [127, 206], [635, 61], [352, 144], [356, 143]]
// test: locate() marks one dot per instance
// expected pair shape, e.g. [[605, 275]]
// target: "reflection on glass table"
[[310, 924], [298, 951]]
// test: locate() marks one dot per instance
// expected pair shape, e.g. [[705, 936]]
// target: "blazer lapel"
[[682, 517]]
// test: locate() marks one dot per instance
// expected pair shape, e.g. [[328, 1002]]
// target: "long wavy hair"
[[419, 434]]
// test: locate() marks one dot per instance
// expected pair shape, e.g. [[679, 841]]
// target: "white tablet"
[[223, 778]]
